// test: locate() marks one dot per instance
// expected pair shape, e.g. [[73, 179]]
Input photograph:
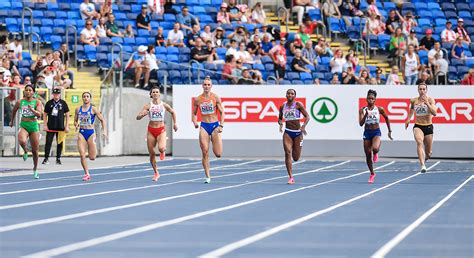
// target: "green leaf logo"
[[324, 110]]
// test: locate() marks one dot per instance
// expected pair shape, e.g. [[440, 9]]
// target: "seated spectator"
[[168, 6], [436, 50], [152, 63], [323, 48], [106, 9], [374, 26], [330, 10], [302, 33], [254, 47], [393, 78], [89, 35], [175, 36], [199, 53], [257, 77], [468, 78], [236, 72], [9, 68], [352, 59], [278, 55], [223, 16], [372, 9], [266, 45], [246, 77], [337, 62], [309, 53], [60, 80], [335, 79], [372, 81], [206, 35], [101, 28], [88, 11], [408, 22], [441, 70], [65, 61], [218, 37], [310, 26], [156, 6], [258, 14], [350, 8], [186, 20], [296, 44], [143, 19], [3, 45], [410, 66], [457, 52], [193, 35], [129, 33], [379, 77], [348, 76], [265, 30], [213, 57], [448, 34], [461, 31], [246, 15], [299, 63], [397, 44], [243, 55], [112, 27], [27, 80], [427, 42], [412, 40], [229, 65], [232, 50], [17, 48], [392, 23], [141, 66], [160, 38], [233, 11], [364, 74], [239, 35], [301, 7], [425, 77], [38, 66]]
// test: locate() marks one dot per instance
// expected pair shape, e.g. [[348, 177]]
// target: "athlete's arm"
[[410, 112], [195, 110], [387, 121], [306, 116], [39, 109], [220, 109], [15, 109], [66, 126], [76, 118], [173, 115], [362, 116], [144, 112], [280, 118], [45, 121], [101, 119], [431, 106]]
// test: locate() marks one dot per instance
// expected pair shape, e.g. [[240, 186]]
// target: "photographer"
[[239, 35], [348, 76]]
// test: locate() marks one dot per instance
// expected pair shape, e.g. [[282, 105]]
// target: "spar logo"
[[253, 109], [449, 111], [324, 110]]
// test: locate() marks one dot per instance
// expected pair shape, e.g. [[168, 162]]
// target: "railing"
[[440, 73], [38, 49], [23, 27], [364, 46], [191, 67], [321, 24], [287, 14], [75, 43], [14, 131]]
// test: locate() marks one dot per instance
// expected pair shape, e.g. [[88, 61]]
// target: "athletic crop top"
[[207, 107], [421, 109], [86, 118], [373, 116], [157, 112], [291, 113], [25, 111]]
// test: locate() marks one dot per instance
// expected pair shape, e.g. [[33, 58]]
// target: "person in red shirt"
[[469, 78], [278, 55]]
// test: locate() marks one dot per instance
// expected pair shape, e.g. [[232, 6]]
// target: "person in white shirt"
[[337, 62], [89, 35], [17, 48], [175, 37], [101, 28], [243, 55], [258, 14], [156, 6], [448, 34], [88, 11], [436, 50], [232, 49], [392, 77], [441, 69]]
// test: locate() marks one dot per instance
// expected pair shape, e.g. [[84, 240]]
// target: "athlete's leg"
[[162, 144], [287, 147], [216, 140], [91, 147], [368, 155], [428, 142], [34, 140], [376, 142], [297, 147], [81, 147], [151, 144], [204, 144], [419, 136], [23, 139]]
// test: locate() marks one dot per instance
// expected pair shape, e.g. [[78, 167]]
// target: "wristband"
[[221, 126]]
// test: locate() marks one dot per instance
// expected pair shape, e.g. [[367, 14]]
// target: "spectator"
[[448, 34], [213, 57], [322, 48], [436, 50], [379, 77], [112, 27], [461, 31], [352, 59], [143, 19], [410, 66], [246, 77], [310, 26], [206, 35], [254, 47], [223, 16], [168, 6], [106, 9], [337, 62], [408, 22], [232, 50], [27, 80], [309, 53], [239, 35], [331, 10], [372, 81], [392, 23], [229, 65], [335, 79], [364, 74], [427, 42], [457, 52], [59, 72], [175, 36], [266, 45], [88, 11], [89, 35], [200, 54], [267, 31], [301, 7], [156, 6], [348, 76], [234, 12], [350, 8], [278, 55], [150, 58], [141, 66], [258, 14], [243, 55], [425, 78], [299, 63], [101, 28], [302, 33], [397, 44], [441, 70], [468, 78], [374, 26], [17, 48], [237, 72], [4, 46], [316, 81], [38, 66], [186, 20], [296, 44], [257, 77], [129, 32], [372, 9], [65, 61], [49, 58], [160, 38], [218, 37], [392, 77], [193, 35], [246, 16], [412, 40]]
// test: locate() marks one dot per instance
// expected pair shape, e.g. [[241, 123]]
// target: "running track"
[[247, 211]]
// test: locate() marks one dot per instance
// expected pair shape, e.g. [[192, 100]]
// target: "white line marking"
[[257, 237], [108, 238], [100, 174], [108, 181], [385, 249], [25, 204], [91, 212]]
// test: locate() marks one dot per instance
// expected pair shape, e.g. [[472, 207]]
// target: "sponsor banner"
[[251, 112]]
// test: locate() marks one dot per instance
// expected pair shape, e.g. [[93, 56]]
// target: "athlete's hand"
[[406, 124], [11, 123], [175, 127], [219, 129], [303, 130], [390, 135], [66, 130], [196, 125], [45, 127], [104, 134], [281, 128]]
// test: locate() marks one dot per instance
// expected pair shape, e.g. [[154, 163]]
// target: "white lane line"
[[103, 210], [100, 174], [257, 237], [108, 181], [385, 249], [108, 238], [25, 204]]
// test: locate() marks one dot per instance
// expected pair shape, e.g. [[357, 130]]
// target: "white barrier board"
[[251, 112]]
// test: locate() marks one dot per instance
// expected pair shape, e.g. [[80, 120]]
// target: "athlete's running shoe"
[[208, 180], [423, 169], [86, 178], [155, 177], [45, 162], [291, 180], [36, 174], [371, 179], [162, 156], [25, 156], [375, 158]]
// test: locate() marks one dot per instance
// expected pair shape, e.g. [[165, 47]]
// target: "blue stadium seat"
[[129, 41], [173, 51], [102, 49], [306, 76], [4, 5], [118, 40], [462, 7], [90, 52], [26, 56], [105, 41]]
